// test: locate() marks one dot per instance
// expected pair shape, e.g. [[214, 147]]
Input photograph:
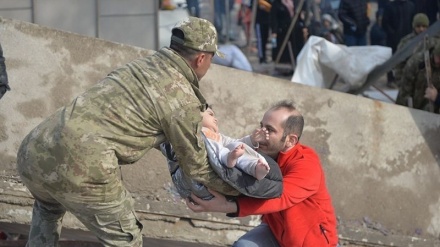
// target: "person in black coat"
[[281, 16], [353, 15], [397, 22], [381, 4], [262, 28], [377, 34]]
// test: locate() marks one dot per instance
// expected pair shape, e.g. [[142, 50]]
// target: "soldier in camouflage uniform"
[[414, 82], [420, 24], [70, 161]]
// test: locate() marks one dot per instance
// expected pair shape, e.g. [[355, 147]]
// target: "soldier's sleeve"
[[399, 67], [183, 130], [401, 43], [406, 90]]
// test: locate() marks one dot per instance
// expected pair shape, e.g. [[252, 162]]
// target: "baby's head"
[[209, 120]]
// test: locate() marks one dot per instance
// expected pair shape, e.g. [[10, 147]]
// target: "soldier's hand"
[[219, 203], [431, 93]]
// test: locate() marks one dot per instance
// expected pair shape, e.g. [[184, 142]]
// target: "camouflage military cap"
[[198, 34]]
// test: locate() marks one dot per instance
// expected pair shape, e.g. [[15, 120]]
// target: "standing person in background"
[[377, 34], [281, 15], [262, 28], [381, 4], [420, 24], [354, 16], [303, 215], [193, 7], [397, 22], [70, 161], [4, 83], [300, 31], [220, 17], [244, 19]]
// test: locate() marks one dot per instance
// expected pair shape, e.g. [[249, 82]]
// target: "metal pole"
[[32, 11], [383, 92], [156, 20], [228, 20], [97, 15]]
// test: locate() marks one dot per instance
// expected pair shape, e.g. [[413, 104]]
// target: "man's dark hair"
[[183, 51], [294, 123]]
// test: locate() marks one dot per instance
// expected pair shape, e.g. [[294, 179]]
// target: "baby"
[[233, 152]]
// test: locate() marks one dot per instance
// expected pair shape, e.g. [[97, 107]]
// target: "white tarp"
[[320, 61]]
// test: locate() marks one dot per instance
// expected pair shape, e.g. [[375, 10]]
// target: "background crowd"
[[276, 30]]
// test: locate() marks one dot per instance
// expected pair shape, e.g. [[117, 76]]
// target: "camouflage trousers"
[[106, 209]]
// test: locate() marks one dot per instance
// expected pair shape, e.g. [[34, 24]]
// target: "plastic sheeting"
[[320, 61]]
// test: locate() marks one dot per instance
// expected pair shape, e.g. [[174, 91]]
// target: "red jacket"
[[303, 216]]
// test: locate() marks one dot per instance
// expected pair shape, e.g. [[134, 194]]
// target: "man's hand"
[[259, 135], [218, 204], [431, 93]]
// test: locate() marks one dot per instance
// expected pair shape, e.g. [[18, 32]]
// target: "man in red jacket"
[[303, 215]]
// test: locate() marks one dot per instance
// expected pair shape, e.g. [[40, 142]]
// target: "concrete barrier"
[[381, 160]]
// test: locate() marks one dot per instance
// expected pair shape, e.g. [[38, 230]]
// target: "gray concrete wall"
[[381, 160]]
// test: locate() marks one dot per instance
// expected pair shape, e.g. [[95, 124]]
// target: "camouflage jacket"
[[133, 109], [398, 70], [414, 82]]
